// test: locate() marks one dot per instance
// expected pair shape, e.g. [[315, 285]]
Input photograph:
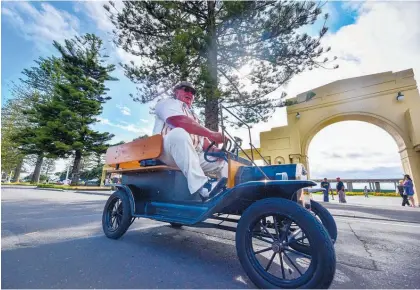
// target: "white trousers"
[[178, 150]]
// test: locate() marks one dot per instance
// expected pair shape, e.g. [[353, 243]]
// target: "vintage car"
[[281, 240]]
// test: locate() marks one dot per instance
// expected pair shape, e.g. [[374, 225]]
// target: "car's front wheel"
[[264, 249]]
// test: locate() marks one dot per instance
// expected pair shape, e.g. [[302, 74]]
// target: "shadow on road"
[[38, 209], [154, 258]]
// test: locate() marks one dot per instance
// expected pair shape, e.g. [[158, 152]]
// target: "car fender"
[[127, 190], [241, 196]]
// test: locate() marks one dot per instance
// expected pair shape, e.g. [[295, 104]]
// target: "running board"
[[215, 226], [185, 214]]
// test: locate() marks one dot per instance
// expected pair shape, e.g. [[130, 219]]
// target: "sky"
[[367, 37]]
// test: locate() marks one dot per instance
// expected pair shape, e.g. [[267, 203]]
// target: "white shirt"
[[171, 107]]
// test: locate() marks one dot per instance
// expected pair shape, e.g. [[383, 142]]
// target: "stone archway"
[[372, 99]]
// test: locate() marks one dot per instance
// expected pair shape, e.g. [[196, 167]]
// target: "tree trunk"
[[47, 171], [18, 169], [9, 177], [37, 171], [211, 110], [76, 168]]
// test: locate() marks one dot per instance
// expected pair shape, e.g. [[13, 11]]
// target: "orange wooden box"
[[129, 154]]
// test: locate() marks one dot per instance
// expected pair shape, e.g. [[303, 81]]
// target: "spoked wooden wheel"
[[263, 243], [271, 251], [116, 218]]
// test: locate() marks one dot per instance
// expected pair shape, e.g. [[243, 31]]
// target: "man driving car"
[[185, 139]]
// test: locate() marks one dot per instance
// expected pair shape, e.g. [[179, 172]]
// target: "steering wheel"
[[217, 155]]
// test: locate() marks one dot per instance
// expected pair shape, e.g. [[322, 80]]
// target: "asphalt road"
[[53, 239]]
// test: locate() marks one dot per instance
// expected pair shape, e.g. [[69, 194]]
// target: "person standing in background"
[[366, 191], [326, 186], [400, 188], [340, 191], [409, 189]]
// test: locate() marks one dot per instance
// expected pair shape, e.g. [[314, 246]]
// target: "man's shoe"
[[212, 188]]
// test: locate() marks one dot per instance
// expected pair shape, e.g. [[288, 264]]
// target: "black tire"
[[119, 215], [327, 221], [321, 269], [326, 218], [176, 225]]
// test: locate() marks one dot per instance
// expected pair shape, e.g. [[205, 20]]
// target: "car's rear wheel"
[[116, 217], [266, 254], [327, 220]]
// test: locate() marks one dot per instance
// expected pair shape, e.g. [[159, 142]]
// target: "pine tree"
[[36, 87], [37, 138], [11, 157], [211, 42], [78, 100], [14, 121], [43, 77], [61, 119]]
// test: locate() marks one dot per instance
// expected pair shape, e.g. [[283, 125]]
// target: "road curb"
[[52, 189]]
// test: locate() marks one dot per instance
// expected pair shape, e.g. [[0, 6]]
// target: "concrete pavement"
[[54, 240]]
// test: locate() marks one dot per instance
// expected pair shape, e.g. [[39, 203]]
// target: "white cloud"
[[42, 25], [124, 126], [103, 121], [385, 37], [144, 120], [130, 128], [95, 10], [124, 110], [126, 57], [333, 17]]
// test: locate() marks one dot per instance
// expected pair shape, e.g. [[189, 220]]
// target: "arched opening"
[[382, 123], [355, 150], [355, 146]]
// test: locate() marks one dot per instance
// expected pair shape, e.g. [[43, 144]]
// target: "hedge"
[[350, 193], [68, 187], [19, 183], [54, 186]]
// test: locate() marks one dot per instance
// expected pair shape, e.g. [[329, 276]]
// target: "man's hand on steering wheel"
[[211, 148], [217, 137]]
